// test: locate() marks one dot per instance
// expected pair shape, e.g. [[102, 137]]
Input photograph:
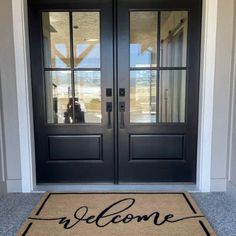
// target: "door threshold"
[[189, 187]]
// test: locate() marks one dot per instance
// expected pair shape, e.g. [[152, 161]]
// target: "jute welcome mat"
[[118, 214]]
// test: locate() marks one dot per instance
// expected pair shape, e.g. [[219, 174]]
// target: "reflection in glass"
[[88, 94], [56, 39], [86, 33], [58, 96], [143, 96], [143, 39], [172, 93], [174, 35]]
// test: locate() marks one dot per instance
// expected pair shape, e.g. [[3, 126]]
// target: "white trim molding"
[[209, 27], [3, 187], [231, 185], [24, 99], [218, 185], [2, 147]]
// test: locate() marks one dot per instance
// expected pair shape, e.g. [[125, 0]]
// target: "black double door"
[[115, 90]]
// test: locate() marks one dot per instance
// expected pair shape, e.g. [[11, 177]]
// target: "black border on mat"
[[204, 228], [27, 229], [181, 193]]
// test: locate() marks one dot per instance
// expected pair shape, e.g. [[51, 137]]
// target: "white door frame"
[[24, 96]]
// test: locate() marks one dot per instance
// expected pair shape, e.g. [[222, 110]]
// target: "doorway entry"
[[115, 90]]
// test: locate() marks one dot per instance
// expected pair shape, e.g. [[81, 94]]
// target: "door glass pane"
[[172, 94], [56, 39], [86, 32], [143, 96], [174, 36], [88, 96], [58, 96], [143, 39]]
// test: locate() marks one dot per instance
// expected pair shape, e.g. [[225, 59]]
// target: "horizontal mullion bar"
[[72, 69], [68, 10], [144, 68], [57, 69], [173, 68], [132, 68], [86, 69], [158, 68]]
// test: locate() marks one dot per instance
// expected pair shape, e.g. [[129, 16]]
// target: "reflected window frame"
[[71, 69], [156, 49], [98, 66], [183, 25], [47, 61], [159, 68]]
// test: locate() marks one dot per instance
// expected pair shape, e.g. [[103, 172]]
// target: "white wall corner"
[[218, 185], [222, 90], [231, 189], [14, 185], [24, 97], [208, 51]]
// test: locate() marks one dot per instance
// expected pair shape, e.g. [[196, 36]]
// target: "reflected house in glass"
[[68, 86], [158, 94]]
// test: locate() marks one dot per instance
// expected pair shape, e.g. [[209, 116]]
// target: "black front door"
[[115, 89], [158, 65]]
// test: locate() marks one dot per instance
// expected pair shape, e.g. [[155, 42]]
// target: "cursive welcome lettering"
[[110, 216]]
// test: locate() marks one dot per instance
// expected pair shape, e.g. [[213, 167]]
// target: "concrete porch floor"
[[219, 208]]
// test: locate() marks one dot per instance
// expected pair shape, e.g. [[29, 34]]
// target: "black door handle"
[[109, 111], [122, 114]]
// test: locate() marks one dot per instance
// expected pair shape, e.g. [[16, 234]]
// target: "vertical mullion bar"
[[72, 65], [115, 94], [158, 67]]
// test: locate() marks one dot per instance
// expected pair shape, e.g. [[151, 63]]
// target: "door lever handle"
[[122, 114], [109, 111]]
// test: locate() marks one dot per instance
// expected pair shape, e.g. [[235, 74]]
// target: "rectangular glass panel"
[[88, 95], [174, 37], [143, 96], [172, 94], [56, 39], [58, 96], [143, 39], [86, 33]]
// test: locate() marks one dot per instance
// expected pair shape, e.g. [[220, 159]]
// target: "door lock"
[[122, 106], [122, 114], [122, 92], [109, 92], [109, 111]]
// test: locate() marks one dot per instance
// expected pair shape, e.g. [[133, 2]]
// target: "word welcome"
[[110, 216]]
